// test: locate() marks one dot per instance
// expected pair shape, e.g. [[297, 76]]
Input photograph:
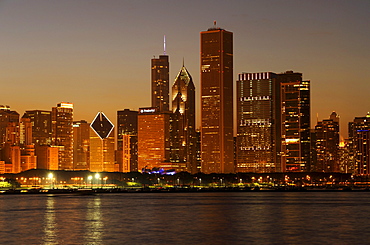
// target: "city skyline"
[[93, 55]]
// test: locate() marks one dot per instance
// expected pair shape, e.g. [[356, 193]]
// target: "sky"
[[97, 54]]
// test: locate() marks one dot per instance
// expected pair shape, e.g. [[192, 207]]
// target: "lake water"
[[187, 218]]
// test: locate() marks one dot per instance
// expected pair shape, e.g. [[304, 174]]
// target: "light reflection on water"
[[183, 218], [50, 223], [93, 224]]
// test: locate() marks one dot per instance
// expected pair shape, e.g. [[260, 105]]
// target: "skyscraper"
[[62, 134], [183, 133], [127, 140], [41, 126], [102, 155], [295, 118], [327, 144], [10, 140], [273, 116], [153, 139], [7, 119], [81, 145], [359, 143], [258, 122], [160, 83], [216, 55]]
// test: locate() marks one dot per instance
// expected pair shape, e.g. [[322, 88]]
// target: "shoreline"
[[83, 192]]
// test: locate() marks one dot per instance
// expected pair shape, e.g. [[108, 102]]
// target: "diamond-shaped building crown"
[[101, 125]]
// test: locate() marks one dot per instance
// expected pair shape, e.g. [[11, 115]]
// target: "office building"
[[127, 152], [47, 157], [41, 126], [327, 145], [216, 58], [153, 139], [160, 83], [183, 132], [10, 140], [62, 134], [295, 119], [9, 121], [81, 145], [359, 144], [258, 142], [102, 148]]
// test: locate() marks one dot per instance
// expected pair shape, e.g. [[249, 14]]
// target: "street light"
[[97, 176], [51, 178], [90, 178]]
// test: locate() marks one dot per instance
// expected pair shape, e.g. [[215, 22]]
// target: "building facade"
[[359, 144], [183, 132], [153, 139], [216, 58], [160, 83], [41, 126], [127, 152], [81, 145], [295, 122], [102, 145], [62, 134], [258, 143], [327, 145]]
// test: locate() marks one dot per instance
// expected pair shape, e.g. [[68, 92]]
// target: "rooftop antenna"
[[183, 62], [164, 45], [214, 24]]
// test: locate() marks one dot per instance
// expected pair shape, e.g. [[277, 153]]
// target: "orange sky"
[[97, 54]]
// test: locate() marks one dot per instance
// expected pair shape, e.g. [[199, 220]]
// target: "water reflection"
[[50, 235], [94, 227]]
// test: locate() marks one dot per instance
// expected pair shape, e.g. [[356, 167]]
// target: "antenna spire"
[[164, 45], [183, 62]]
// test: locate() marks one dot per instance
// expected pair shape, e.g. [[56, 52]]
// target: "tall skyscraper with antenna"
[[216, 58], [160, 81]]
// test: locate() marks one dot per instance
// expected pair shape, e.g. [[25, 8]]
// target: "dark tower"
[[216, 58], [183, 133], [160, 82]]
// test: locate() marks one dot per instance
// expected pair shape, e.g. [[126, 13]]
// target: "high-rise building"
[[102, 154], [216, 58], [160, 83], [295, 118], [258, 143], [127, 155], [359, 144], [25, 131], [28, 158], [153, 139], [41, 126], [62, 134], [10, 140], [183, 132], [81, 145], [327, 145], [8, 119], [273, 122]]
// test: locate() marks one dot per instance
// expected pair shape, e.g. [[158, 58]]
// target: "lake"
[[187, 218]]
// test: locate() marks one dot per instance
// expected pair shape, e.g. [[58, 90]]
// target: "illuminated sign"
[[147, 110]]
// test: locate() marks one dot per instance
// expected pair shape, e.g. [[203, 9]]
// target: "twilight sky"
[[96, 54]]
